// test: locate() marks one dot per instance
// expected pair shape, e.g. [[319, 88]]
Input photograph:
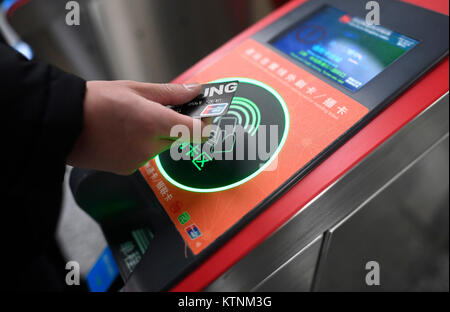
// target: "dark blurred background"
[[145, 40]]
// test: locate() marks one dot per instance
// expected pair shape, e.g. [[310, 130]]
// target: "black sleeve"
[[42, 108]]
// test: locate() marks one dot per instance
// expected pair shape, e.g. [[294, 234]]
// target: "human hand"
[[127, 123]]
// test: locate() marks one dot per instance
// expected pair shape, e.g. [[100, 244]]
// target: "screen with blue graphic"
[[342, 47]]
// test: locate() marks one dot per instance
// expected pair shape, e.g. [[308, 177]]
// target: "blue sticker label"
[[103, 273], [193, 231]]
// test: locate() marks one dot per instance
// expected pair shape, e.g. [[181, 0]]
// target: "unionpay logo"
[[193, 231], [214, 109]]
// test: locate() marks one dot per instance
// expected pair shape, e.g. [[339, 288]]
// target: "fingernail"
[[191, 86]]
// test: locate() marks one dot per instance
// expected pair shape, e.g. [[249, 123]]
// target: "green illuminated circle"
[[239, 103]]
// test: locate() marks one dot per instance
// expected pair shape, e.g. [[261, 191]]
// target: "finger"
[[196, 129], [207, 121], [168, 93]]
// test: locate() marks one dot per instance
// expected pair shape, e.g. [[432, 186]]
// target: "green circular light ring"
[[262, 168]]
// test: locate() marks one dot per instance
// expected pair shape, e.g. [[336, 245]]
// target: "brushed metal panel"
[[297, 273], [404, 229]]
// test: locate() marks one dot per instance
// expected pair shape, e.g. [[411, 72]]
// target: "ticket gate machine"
[[335, 87]]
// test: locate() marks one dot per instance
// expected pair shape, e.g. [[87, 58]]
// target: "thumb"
[[169, 93]]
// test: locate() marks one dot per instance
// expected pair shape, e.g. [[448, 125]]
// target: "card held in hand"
[[214, 100]]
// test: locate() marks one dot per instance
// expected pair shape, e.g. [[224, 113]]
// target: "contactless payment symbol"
[[226, 160], [193, 231], [244, 112]]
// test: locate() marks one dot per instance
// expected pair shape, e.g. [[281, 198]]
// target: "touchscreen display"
[[342, 47]]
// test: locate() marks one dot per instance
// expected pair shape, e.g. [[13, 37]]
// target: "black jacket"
[[42, 118]]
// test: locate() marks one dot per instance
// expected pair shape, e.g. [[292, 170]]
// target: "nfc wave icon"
[[246, 112]]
